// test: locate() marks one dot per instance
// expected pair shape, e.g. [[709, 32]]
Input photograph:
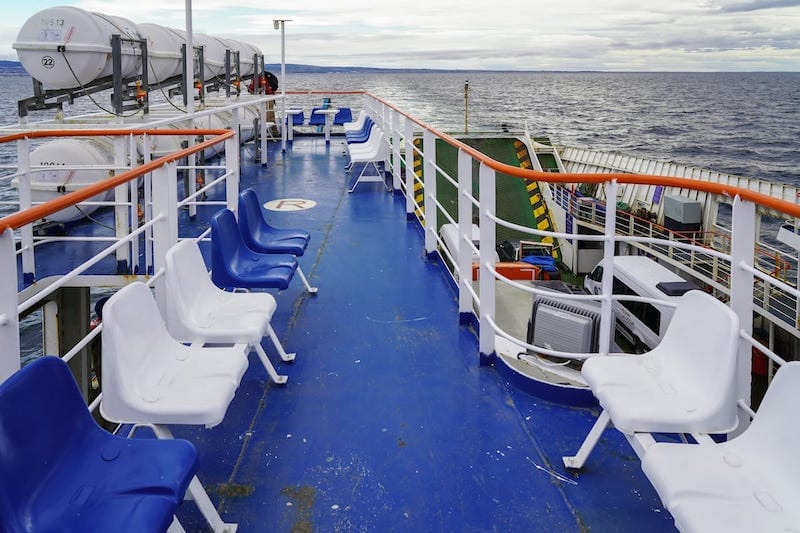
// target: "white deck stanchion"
[[9, 319]]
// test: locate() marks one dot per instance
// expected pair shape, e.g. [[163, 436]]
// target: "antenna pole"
[[466, 106]]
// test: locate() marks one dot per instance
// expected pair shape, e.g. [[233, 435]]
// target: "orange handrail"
[[32, 214], [641, 179], [40, 134]]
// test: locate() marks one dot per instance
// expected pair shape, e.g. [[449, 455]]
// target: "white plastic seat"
[[749, 483], [200, 312], [686, 384], [151, 379], [357, 124], [367, 145], [377, 153], [359, 150]]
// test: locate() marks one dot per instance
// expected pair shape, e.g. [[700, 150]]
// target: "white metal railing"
[[160, 203], [737, 279], [701, 261], [127, 149], [162, 206], [157, 232]]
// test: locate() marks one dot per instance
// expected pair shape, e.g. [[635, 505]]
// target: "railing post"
[[430, 211], [50, 341], [606, 314], [165, 231], [148, 207], [486, 184], [190, 174], [26, 232], [463, 253], [385, 122], [742, 245], [390, 137], [395, 150], [409, 175], [262, 122], [232, 169], [386, 119], [236, 120], [133, 211], [9, 317], [367, 103], [121, 219]]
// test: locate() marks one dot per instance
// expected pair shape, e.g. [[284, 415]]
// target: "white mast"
[[188, 67]]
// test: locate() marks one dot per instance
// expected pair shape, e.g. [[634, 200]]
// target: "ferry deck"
[[395, 416], [404, 409], [388, 422]]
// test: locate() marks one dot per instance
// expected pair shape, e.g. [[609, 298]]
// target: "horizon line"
[[332, 68]]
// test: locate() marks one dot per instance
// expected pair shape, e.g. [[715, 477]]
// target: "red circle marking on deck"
[[289, 204]]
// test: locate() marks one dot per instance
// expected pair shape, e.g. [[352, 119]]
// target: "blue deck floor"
[[388, 423]]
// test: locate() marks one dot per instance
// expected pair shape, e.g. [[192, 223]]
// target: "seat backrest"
[[188, 284], [343, 115], [134, 336], [774, 430], [226, 242], [42, 418], [316, 119], [364, 135], [251, 222], [365, 130], [374, 133], [378, 150], [700, 347], [359, 121]]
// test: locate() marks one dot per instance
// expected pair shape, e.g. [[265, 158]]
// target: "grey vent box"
[[683, 210]]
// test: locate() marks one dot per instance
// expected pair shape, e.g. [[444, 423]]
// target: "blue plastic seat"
[[260, 236], [297, 119], [317, 119], [363, 130], [362, 135], [344, 115], [59, 471], [234, 265]]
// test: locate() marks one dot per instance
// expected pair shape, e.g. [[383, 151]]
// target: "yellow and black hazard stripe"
[[538, 205], [419, 187], [523, 155]]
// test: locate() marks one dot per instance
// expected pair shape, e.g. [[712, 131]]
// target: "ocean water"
[[742, 123]]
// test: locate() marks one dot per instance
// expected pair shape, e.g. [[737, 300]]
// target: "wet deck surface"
[[388, 423]]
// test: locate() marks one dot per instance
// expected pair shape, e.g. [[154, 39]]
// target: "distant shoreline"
[[14, 68]]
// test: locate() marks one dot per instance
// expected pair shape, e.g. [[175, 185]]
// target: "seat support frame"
[[370, 178], [579, 459]]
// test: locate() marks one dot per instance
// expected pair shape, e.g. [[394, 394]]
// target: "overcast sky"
[[631, 35]]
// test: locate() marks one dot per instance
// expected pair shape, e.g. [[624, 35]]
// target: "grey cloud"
[[756, 5], [715, 43]]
